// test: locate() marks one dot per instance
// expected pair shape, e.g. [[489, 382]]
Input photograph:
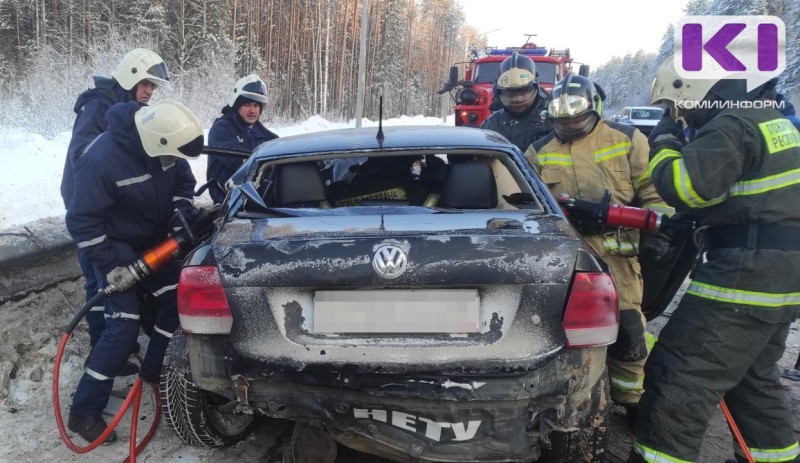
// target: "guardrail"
[[35, 256]]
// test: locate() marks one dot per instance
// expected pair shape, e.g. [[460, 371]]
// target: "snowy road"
[[29, 332]]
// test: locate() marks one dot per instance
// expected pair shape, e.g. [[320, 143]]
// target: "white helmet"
[[141, 64], [671, 89], [250, 87], [168, 128]]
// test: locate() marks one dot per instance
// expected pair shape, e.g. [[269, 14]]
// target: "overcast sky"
[[628, 25]]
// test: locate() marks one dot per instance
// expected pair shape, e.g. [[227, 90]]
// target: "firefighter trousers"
[[709, 351], [94, 318], [121, 331], [626, 357]]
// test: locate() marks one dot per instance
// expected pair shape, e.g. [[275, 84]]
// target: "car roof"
[[394, 138]]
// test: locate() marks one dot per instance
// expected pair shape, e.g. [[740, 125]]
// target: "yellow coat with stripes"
[[612, 157]]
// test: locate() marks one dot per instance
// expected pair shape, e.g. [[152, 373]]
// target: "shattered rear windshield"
[[398, 183]]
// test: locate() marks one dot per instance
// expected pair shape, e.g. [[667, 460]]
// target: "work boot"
[[630, 415], [90, 428]]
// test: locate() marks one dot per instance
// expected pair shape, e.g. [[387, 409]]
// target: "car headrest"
[[469, 185], [299, 185]]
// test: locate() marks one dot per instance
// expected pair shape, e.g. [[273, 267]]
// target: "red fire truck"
[[473, 95]]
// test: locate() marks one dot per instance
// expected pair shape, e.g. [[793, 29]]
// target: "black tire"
[[586, 445], [195, 414]]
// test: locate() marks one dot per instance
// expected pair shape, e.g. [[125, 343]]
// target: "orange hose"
[[736, 433]]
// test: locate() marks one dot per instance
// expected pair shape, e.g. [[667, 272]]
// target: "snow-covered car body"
[[470, 326]]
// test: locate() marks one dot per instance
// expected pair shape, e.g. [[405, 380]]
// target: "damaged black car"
[[412, 292]]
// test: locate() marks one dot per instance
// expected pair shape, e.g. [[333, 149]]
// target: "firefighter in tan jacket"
[[583, 157]]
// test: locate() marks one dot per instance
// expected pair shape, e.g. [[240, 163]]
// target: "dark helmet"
[[517, 85], [576, 106]]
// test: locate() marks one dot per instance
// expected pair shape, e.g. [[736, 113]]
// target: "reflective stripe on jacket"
[[612, 157], [90, 121], [122, 194], [743, 167]]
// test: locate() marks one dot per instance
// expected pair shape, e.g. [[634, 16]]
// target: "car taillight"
[[202, 305], [592, 315]]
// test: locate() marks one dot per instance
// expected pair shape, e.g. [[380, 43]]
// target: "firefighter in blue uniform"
[[127, 184], [519, 119], [238, 128], [138, 73], [740, 176]]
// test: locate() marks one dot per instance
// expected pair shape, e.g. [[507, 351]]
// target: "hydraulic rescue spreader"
[[587, 215], [182, 240]]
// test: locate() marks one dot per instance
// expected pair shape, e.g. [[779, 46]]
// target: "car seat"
[[300, 185], [469, 185]]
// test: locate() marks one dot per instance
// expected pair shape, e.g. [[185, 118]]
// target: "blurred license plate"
[[397, 311]]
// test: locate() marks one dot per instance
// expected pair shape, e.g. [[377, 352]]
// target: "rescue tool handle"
[[588, 215], [161, 254]]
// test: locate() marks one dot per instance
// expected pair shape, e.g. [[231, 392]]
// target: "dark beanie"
[[244, 100]]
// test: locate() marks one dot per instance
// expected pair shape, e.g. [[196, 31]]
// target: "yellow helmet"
[[168, 128], [672, 90], [517, 72]]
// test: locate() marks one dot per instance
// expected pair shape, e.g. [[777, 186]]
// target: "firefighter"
[[238, 128], [138, 73], [739, 176], [584, 156], [126, 186], [519, 119]]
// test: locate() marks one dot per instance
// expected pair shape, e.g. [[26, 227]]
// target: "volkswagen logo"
[[390, 261]]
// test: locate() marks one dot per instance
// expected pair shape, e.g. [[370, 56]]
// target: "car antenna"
[[380, 121]]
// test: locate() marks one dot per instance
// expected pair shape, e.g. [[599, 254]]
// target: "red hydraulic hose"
[[153, 427], [134, 422], [134, 396], [736, 433], [57, 407]]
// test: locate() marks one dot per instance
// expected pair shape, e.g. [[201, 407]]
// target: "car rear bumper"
[[483, 416]]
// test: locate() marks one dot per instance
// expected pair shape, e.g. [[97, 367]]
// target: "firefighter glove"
[[188, 214], [121, 279], [680, 226], [149, 374], [586, 216], [665, 130], [654, 245]]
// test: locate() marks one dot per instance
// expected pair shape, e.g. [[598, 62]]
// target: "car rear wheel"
[[199, 417], [587, 444]]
